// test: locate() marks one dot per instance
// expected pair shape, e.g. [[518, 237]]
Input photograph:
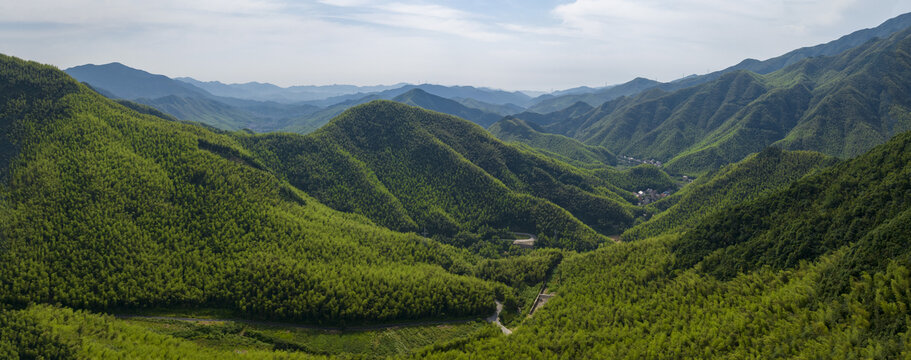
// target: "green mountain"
[[106, 208], [841, 106], [817, 269], [753, 177], [512, 129], [422, 99], [415, 170]]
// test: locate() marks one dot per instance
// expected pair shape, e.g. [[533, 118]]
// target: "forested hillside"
[[759, 212], [513, 129], [757, 175], [841, 105], [547, 104], [819, 269], [103, 208], [415, 170]]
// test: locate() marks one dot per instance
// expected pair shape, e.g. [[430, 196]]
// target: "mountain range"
[[763, 211]]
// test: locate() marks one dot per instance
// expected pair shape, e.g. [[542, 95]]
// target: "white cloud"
[[584, 42], [420, 17]]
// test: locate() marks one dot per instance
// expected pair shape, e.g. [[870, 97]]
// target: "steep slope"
[[512, 129], [428, 171], [819, 268], [663, 126], [547, 104], [105, 208], [841, 106], [755, 176], [422, 99], [861, 206]]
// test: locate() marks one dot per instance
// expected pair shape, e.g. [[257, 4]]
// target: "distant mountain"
[[420, 98], [128, 83], [551, 104], [573, 111], [554, 102], [514, 129], [412, 169], [502, 110], [187, 102], [293, 94]]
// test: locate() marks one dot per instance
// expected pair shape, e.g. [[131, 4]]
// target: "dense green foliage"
[[360, 344], [860, 204], [113, 207], [627, 302], [753, 177], [46, 332], [108, 208], [513, 129], [841, 105], [637, 178], [415, 170]]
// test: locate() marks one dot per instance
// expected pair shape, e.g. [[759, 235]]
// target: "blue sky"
[[509, 44]]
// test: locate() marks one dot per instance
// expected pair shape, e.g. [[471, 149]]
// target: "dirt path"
[[529, 241], [495, 319]]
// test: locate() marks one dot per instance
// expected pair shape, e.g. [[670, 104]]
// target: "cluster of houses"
[[649, 196], [632, 160]]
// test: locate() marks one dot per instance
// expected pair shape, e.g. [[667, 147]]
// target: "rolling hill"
[[513, 129], [106, 208], [415, 170]]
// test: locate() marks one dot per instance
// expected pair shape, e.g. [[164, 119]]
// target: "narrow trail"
[[529, 241], [494, 319]]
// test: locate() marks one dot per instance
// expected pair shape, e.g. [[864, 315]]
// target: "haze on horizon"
[[509, 44]]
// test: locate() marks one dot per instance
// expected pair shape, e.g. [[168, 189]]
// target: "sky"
[[505, 44]]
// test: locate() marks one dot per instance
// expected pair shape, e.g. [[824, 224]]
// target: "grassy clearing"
[[232, 336]]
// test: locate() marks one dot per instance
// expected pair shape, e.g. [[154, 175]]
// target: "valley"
[[759, 211]]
